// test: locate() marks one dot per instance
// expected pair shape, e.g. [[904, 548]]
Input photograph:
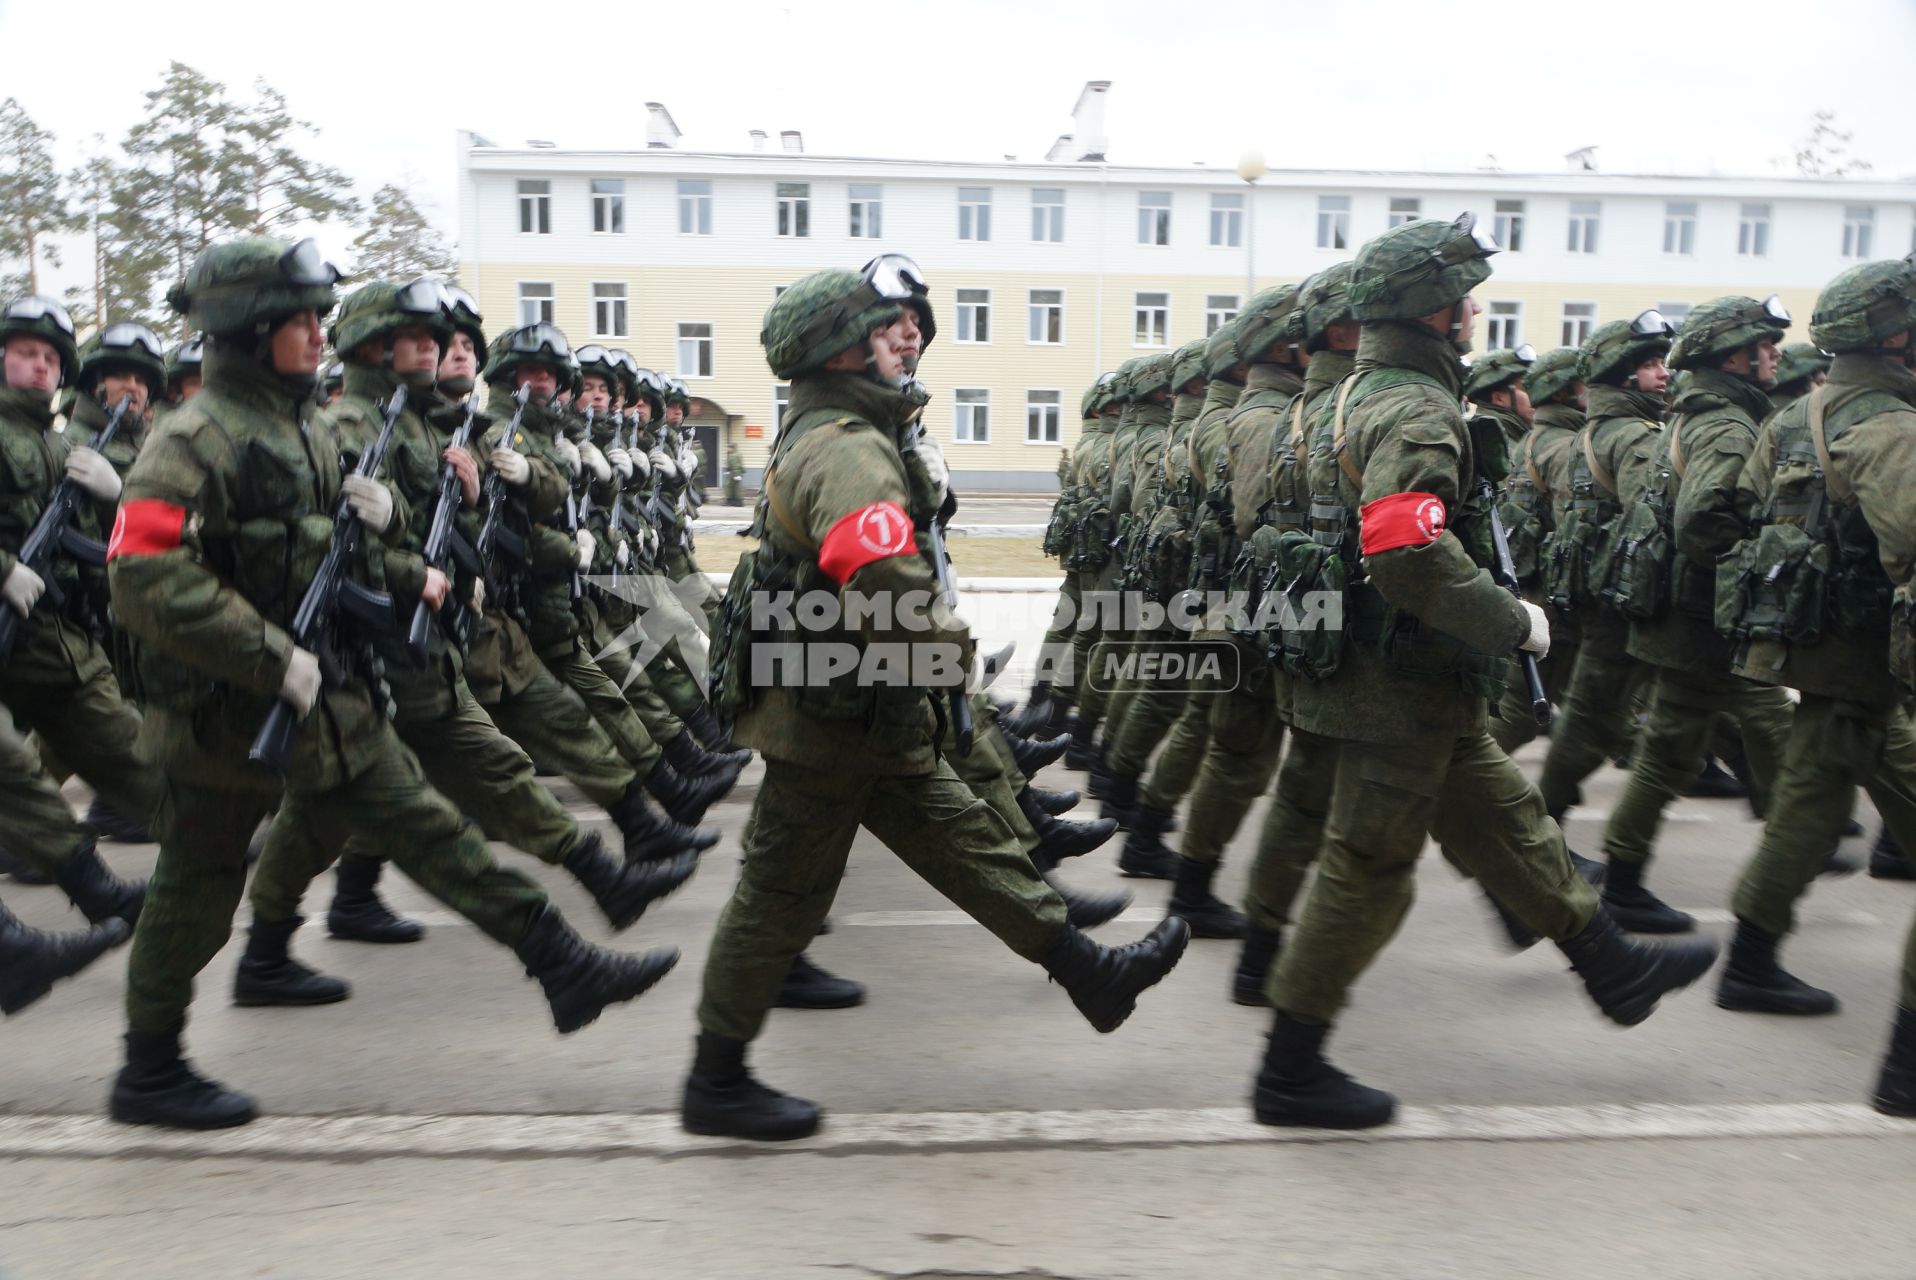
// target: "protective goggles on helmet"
[[424, 296], [894, 277], [622, 360], [540, 339], [35, 307], [1651, 324], [1106, 379], [306, 266], [192, 351], [1467, 244], [595, 354], [335, 372], [126, 335], [1774, 310], [458, 299], [1525, 354], [650, 381]]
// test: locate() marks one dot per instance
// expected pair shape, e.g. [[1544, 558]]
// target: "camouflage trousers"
[[1596, 721], [93, 732], [1243, 736], [641, 694], [551, 722], [1293, 829], [1093, 693], [800, 832], [603, 698], [991, 771], [1385, 802], [204, 831], [1057, 656], [1684, 713]]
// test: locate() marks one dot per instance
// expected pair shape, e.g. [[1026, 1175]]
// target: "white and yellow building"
[[1045, 273]]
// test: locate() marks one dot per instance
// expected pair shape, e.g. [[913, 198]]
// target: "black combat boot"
[[1837, 864], [22, 871], [1088, 910], [1120, 799], [1896, 1086], [1887, 861], [1637, 909], [359, 914], [1298, 1089], [158, 1086], [1145, 855], [1057, 716], [1522, 936], [99, 893], [624, 890], [31, 960], [106, 822], [268, 974], [650, 835], [1753, 982], [1033, 754], [1082, 753], [807, 986], [581, 979], [685, 799], [1717, 783], [690, 760], [1626, 977], [1254, 963], [714, 735], [1052, 802], [1033, 717], [1061, 838], [1104, 982], [1193, 902], [1097, 782], [724, 1100]]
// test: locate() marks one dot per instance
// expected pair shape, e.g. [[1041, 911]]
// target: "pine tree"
[[399, 242], [33, 201]]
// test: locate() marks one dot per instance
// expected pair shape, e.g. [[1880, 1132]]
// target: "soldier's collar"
[[1875, 373]]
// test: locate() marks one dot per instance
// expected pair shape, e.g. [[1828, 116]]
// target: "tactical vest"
[[1575, 557], [1525, 506]]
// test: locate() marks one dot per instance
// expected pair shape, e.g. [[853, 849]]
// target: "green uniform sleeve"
[[1754, 482], [1706, 520], [1878, 458]]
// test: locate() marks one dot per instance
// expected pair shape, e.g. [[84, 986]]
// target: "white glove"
[[92, 472], [511, 466], [478, 601], [1538, 641], [587, 545], [22, 589], [641, 464], [649, 542], [370, 500], [595, 462], [935, 466], [662, 461], [300, 687], [570, 452], [688, 464], [620, 461], [622, 553]]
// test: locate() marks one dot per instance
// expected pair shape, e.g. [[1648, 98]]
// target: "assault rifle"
[[1503, 571], [494, 537], [439, 548], [316, 623], [615, 521], [958, 699], [54, 532], [575, 585]]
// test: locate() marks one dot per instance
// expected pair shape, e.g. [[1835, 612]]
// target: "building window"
[[1509, 225], [1227, 219], [1047, 215], [1333, 222], [972, 424], [974, 315], [1047, 316], [608, 206], [1675, 312], [1753, 231], [1679, 227], [608, 310], [974, 213], [1154, 217], [1505, 327], [1405, 209], [867, 210], [695, 206], [1219, 309], [1859, 228], [795, 209], [695, 350], [1153, 320], [781, 401], [535, 207], [535, 302], [1579, 322], [1041, 417], [1584, 216]]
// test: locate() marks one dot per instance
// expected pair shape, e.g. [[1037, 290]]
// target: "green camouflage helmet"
[[242, 288], [1864, 306], [1723, 326], [541, 344], [626, 368], [1097, 395], [1419, 267], [1611, 354], [1265, 321], [373, 312], [1152, 374], [1555, 372], [333, 376], [184, 359], [1123, 388], [35, 316], [1324, 300], [1187, 365], [676, 394], [1495, 370], [651, 389], [124, 347], [599, 362], [466, 319], [1799, 362], [1220, 350], [824, 314]]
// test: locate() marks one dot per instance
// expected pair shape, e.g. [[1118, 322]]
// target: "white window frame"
[[1859, 230], [617, 305], [1676, 312], [1033, 310], [781, 403], [974, 215], [1507, 224], [695, 207], [1581, 326], [1215, 316], [1584, 229], [1679, 228], [1056, 415], [865, 203], [1333, 222], [549, 302], [535, 207], [1754, 227], [966, 314], [1398, 217], [793, 220], [1504, 325], [965, 415], [1047, 216], [710, 342], [1227, 219], [1154, 219], [1140, 323], [608, 208]]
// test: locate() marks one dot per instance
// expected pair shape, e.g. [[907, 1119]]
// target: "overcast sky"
[[1680, 86]]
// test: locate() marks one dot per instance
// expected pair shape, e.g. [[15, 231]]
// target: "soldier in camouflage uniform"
[[226, 516], [182, 373], [1427, 632], [1084, 553], [842, 495], [1800, 369], [1728, 348]]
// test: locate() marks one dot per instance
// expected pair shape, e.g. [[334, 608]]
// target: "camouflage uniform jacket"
[[55, 645]]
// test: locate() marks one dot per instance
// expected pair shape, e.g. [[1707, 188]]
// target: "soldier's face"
[[1653, 376], [185, 387], [31, 364], [115, 385], [1579, 394], [1467, 312], [1342, 336], [1520, 403], [297, 345], [906, 339], [674, 414], [541, 379], [460, 361], [1764, 366], [595, 397], [643, 408], [415, 350]]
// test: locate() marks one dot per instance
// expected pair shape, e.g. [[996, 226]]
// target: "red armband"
[[145, 527], [876, 532], [1401, 520]]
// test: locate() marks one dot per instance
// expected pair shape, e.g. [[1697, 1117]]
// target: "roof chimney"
[[1087, 119], [1061, 149], [1582, 160], [758, 139], [660, 129], [793, 141]]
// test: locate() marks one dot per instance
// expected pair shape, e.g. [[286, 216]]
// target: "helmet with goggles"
[[1554, 372], [1724, 326], [1419, 267], [33, 315], [123, 347], [1611, 354], [536, 344], [374, 312], [243, 288], [1865, 306], [830, 312], [1495, 370]]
